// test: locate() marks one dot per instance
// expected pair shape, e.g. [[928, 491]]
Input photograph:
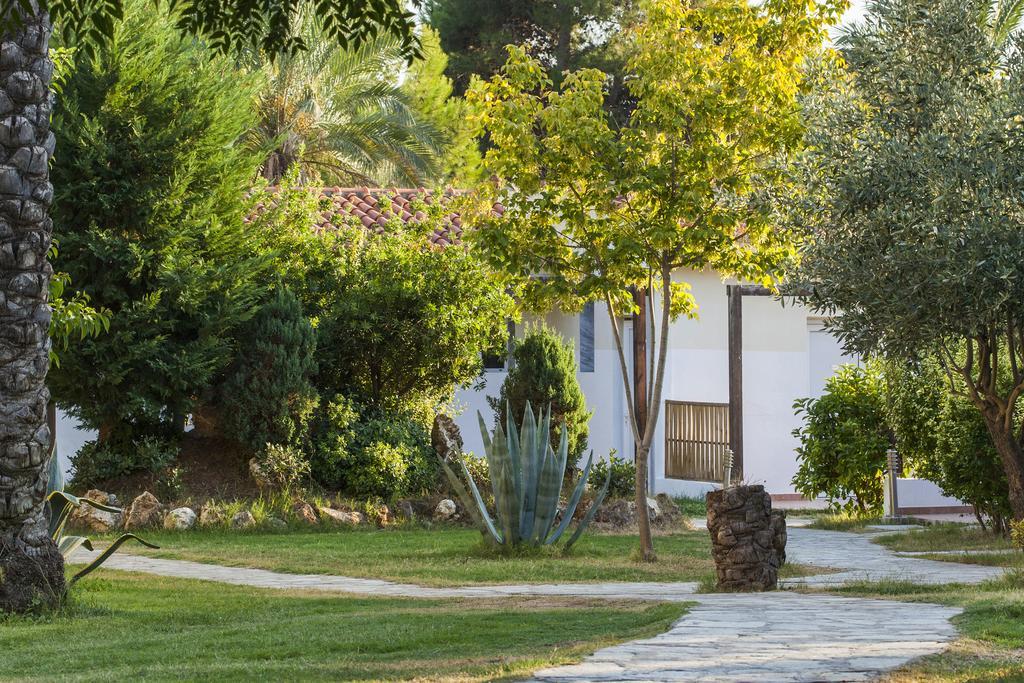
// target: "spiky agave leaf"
[[105, 555], [574, 501], [550, 487], [503, 486], [61, 505], [474, 504], [585, 522]]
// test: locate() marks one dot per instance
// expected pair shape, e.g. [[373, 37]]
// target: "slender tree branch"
[[613, 319]]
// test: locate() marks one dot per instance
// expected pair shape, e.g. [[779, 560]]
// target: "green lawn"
[[122, 626], [447, 557], [992, 626], [944, 537]]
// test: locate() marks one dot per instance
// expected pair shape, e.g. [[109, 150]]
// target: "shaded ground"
[[134, 627]]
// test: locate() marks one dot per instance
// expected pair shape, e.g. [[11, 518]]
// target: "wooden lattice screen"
[[696, 440]]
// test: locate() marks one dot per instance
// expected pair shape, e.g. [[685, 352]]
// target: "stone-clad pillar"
[[748, 538]]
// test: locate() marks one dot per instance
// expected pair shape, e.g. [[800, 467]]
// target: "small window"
[[587, 337]]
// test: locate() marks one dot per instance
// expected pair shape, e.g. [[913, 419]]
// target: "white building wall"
[[786, 356]]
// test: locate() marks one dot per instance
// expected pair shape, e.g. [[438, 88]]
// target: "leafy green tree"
[[561, 34], [543, 373], [268, 25], [843, 441], [431, 95], [30, 562], [268, 396], [150, 201], [943, 438], [913, 199], [408, 319], [601, 211], [340, 115]]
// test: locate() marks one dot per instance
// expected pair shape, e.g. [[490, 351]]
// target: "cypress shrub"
[[267, 397], [544, 373]]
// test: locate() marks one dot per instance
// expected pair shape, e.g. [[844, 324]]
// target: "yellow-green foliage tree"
[[689, 183]]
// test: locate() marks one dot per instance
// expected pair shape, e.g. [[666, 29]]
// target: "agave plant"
[[526, 476], [61, 504]]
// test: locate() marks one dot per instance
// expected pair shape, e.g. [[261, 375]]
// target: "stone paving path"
[[780, 636], [859, 559]]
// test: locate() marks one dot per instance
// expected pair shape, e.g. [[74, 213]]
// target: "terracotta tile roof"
[[373, 207]]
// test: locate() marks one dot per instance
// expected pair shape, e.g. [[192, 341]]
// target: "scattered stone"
[[180, 519], [88, 518], [446, 509], [243, 520], [145, 512], [616, 514], [383, 516], [406, 510], [304, 512], [446, 438], [211, 515], [277, 523], [342, 517], [746, 538]]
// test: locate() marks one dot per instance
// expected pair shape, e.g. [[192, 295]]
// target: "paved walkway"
[[780, 636]]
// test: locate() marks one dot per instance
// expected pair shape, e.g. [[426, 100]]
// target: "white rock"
[[445, 510], [97, 521], [180, 519], [653, 509], [341, 517], [243, 520]]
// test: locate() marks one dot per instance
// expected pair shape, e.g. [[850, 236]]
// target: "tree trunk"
[[643, 517], [31, 567], [1012, 457]]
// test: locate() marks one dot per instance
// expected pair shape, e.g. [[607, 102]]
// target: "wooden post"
[[640, 360], [735, 296]]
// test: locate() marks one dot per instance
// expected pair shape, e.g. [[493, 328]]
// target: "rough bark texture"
[[748, 538], [31, 569], [1012, 457]]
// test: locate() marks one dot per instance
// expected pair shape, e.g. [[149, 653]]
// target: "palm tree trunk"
[[31, 567]]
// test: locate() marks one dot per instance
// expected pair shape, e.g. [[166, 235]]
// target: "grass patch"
[[843, 522], [122, 626], [447, 557], [692, 507], [1012, 560], [992, 625], [944, 537]]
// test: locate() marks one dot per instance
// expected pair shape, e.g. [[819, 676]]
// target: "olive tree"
[[593, 212], [913, 203]]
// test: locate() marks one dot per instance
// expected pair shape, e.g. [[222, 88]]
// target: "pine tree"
[[151, 185], [544, 373], [267, 396]]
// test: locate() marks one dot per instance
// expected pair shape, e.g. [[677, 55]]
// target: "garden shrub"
[[543, 373], [268, 397], [623, 481], [150, 195], [97, 462], [366, 452], [943, 438], [843, 441], [413, 319], [279, 467], [1017, 533]]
